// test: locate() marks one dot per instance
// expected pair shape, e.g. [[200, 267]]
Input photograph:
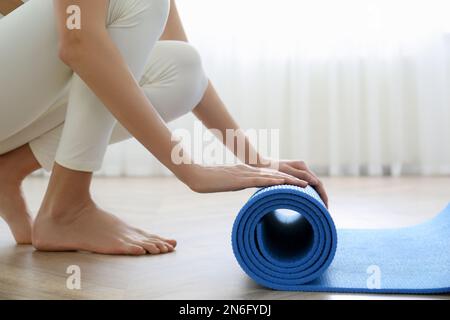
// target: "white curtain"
[[356, 87]]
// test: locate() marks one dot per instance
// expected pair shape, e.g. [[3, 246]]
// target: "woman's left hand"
[[300, 170]]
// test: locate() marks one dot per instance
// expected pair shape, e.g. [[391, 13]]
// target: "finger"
[[302, 174], [301, 165], [281, 174], [322, 193], [312, 179], [319, 187], [272, 174], [289, 179], [296, 182], [286, 179], [261, 182], [301, 179]]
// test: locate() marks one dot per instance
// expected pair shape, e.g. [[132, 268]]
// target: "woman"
[[61, 91]]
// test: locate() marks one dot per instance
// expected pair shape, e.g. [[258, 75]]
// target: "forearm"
[[174, 28], [212, 112], [8, 6]]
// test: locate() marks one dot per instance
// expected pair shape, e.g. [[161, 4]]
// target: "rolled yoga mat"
[[284, 238]]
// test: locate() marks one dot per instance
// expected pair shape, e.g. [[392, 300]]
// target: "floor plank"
[[203, 267]]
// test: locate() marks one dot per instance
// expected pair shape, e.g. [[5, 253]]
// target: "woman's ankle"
[[67, 194], [16, 165], [62, 210]]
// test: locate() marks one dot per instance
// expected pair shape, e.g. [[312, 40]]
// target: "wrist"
[[188, 173], [261, 163]]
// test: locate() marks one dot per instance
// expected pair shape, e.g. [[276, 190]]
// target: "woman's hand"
[[300, 170], [206, 179]]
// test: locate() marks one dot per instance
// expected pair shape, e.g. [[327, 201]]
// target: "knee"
[[186, 56], [177, 64], [192, 79], [188, 63], [174, 80]]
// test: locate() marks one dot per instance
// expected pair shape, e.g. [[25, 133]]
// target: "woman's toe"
[[172, 242], [152, 237], [151, 248], [135, 250], [162, 246]]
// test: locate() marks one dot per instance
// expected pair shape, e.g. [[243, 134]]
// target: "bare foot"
[[13, 208], [88, 228]]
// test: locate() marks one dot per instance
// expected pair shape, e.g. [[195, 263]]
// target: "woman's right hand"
[[205, 179]]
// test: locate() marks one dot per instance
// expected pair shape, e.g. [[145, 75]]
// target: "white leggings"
[[43, 103]]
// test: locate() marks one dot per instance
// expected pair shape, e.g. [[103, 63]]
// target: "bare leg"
[[14, 167], [70, 220], [186, 87]]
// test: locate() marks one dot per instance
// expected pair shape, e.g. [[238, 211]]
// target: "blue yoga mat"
[[284, 238]]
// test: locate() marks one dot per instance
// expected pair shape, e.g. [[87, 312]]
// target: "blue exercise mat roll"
[[284, 238]]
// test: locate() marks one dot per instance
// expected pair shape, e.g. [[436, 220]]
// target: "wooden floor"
[[203, 267]]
